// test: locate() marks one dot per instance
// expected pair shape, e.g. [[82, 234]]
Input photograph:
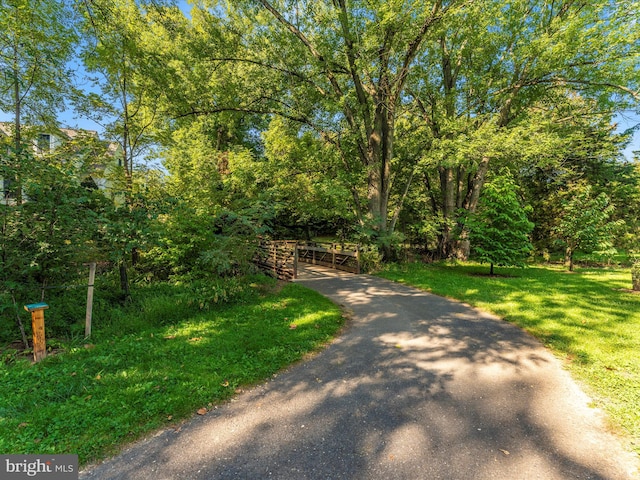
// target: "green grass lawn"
[[92, 399], [587, 318]]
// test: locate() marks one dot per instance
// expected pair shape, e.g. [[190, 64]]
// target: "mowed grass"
[[588, 318], [92, 399]]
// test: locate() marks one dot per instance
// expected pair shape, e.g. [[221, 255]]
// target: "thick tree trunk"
[[448, 192], [379, 155], [462, 246]]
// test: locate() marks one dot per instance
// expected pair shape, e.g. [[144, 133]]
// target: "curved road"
[[417, 387]]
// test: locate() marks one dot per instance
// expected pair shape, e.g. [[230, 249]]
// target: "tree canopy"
[[378, 122], [467, 78]]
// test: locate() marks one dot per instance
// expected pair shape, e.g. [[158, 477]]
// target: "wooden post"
[[92, 278], [37, 324], [274, 247]]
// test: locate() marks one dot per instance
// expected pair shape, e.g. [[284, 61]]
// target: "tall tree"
[[584, 149], [36, 43], [339, 69], [498, 61], [586, 223], [120, 50], [464, 73]]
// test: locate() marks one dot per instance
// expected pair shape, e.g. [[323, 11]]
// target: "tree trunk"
[[448, 191], [462, 246], [378, 161], [568, 258], [635, 275], [17, 127], [124, 282]]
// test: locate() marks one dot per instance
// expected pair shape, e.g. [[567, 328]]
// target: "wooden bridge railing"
[[280, 257], [334, 255]]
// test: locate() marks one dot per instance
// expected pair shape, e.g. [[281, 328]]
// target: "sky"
[[629, 120]]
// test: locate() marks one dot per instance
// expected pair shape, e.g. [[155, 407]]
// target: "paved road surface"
[[417, 387]]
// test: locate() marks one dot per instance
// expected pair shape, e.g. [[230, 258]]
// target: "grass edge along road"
[[588, 318], [91, 401]]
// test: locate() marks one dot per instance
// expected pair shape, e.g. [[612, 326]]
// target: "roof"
[[6, 128]]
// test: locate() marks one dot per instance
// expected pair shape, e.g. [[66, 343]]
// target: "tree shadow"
[[416, 387]]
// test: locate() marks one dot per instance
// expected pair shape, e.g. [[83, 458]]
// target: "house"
[[106, 155]]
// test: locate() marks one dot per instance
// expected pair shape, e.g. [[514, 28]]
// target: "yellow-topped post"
[[37, 324]]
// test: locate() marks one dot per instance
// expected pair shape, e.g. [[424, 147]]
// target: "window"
[[44, 143], [8, 195]]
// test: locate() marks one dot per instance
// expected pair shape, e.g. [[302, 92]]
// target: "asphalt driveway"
[[417, 387]]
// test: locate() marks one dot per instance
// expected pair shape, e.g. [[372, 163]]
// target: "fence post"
[[333, 256], [89, 314], [274, 249], [37, 325]]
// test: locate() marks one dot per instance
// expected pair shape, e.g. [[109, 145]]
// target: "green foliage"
[[301, 177], [192, 244], [46, 238], [585, 223], [377, 246], [530, 70], [585, 149], [154, 364], [371, 259], [289, 113], [499, 230], [37, 41]]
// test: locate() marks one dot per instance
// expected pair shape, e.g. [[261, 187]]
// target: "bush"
[[370, 258]]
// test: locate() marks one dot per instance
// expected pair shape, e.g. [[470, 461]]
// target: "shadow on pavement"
[[416, 387]]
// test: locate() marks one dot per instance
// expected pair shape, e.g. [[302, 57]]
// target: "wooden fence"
[[280, 257]]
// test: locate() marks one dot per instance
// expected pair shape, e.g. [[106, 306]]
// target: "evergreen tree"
[[499, 230]]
